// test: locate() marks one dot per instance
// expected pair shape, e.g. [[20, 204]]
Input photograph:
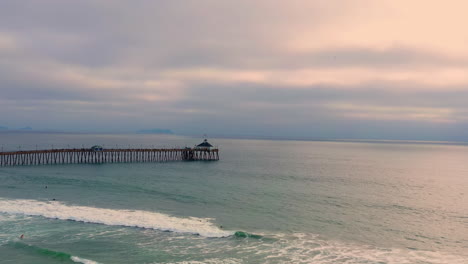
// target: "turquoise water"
[[291, 201]]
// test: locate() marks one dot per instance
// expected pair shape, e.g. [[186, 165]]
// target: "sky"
[[324, 69]]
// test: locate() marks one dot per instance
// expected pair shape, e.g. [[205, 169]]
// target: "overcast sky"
[[387, 69]]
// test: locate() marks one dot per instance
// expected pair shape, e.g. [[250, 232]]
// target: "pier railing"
[[83, 155]]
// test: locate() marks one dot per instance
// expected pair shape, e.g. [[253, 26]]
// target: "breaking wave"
[[113, 217], [264, 248], [62, 256]]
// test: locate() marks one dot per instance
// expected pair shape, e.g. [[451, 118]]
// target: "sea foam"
[[83, 260], [310, 248], [113, 217]]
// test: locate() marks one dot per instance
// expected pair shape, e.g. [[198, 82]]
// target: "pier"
[[97, 154]]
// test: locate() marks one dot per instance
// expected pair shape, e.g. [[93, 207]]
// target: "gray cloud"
[[100, 65]]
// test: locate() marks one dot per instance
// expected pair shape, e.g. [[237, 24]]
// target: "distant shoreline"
[[272, 138]]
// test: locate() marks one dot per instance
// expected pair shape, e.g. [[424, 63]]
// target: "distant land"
[[156, 131], [18, 129]]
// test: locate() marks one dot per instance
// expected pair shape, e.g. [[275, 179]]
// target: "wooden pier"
[[91, 155]]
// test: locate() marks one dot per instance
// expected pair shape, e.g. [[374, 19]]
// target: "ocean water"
[[264, 201]]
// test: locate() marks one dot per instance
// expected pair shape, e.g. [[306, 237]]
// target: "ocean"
[[264, 201]]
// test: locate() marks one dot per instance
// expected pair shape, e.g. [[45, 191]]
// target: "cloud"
[[296, 68]]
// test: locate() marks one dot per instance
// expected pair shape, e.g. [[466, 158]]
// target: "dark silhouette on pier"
[[98, 154]]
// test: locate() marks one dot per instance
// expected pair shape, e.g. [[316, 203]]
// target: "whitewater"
[[131, 218]]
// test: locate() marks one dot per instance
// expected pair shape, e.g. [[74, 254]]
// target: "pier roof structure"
[[204, 144]]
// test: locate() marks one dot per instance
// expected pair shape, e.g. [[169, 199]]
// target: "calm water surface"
[[293, 201]]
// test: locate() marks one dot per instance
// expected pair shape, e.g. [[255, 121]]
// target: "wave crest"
[[113, 217], [62, 256]]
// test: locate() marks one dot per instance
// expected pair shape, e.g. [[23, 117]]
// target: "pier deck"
[[84, 155]]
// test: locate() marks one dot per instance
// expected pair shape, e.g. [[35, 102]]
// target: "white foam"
[[83, 260], [309, 248], [136, 218], [211, 261]]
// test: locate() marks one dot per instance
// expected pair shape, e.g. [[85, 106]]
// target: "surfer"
[[22, 236]]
